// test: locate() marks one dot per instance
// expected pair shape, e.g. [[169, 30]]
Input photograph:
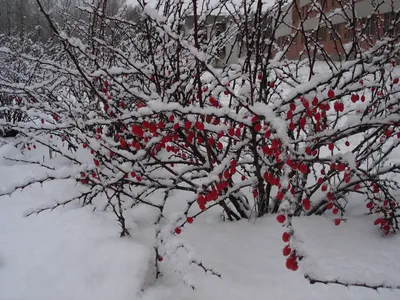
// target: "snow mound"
[[354, 252], [69, 254]]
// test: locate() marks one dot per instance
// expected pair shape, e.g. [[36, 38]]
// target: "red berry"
[[286, 251], [160, 258], [331, 146], [306, 204], [137, 130], [396, 80], [340, 167], [331, 94], [388, 133], [378, 221], [347, 143], [96, 162], [303, 168], [257, 127], [123, 143], [295, 266], [189, 220], [178, 230], [329, 196], [281, 218], [289, 162], [302, 123], [227, 174], [335, 211], [386, 228], [337, 222], [286, 237], [199, 126], [290, 263], [201, 200], [188, 124], [84, 146]]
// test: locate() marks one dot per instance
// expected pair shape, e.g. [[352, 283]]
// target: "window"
[[335, 4], [220, 28], [335, 32], [372, 26], [348, 34], [397, 28], [369, 25], [221, 52], [304, 11], [315, 35], [280, 41], [322, 33], [387, 21], [391, 19]]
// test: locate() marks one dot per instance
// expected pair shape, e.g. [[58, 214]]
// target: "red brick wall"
[[331, 45]]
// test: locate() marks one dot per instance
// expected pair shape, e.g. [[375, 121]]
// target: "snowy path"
[[74, 254]]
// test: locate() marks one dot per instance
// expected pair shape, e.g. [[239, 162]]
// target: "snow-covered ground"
[[73, 253]]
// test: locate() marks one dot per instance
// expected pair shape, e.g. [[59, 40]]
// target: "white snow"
[[70, 253], [73, 253]]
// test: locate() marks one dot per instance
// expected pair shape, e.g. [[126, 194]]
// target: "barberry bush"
[[213, 103]]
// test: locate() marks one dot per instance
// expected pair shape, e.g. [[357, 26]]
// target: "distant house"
[[228, 48], [328, 39]]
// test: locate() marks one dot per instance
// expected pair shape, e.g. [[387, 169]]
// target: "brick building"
[[305, 13]]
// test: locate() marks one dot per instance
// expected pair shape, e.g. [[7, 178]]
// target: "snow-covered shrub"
[[262, 134]]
